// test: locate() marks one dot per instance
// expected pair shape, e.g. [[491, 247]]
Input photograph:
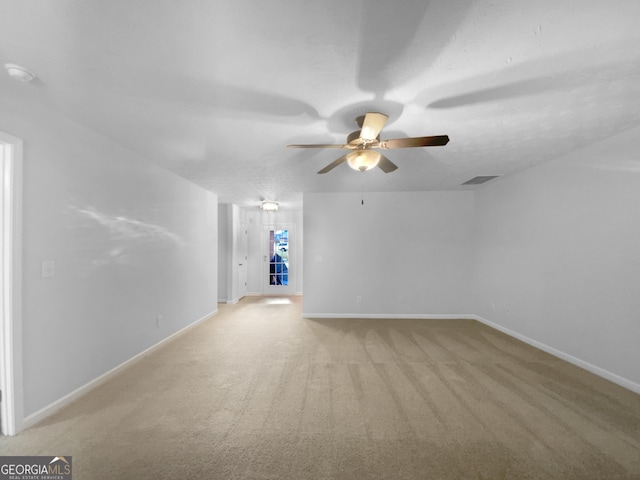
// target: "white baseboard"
[[86, 388], [398, 316], [601, 372], [260, 294]]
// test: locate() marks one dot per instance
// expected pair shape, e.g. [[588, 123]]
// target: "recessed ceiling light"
[[19, 73]]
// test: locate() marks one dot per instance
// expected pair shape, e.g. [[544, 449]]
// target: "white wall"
[[404, 254], [558, 256], [130, 242]]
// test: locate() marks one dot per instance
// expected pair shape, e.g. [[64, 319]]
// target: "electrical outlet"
[[358, 299], [159, 320]]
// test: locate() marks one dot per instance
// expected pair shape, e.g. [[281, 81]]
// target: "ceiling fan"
[[362, 142]]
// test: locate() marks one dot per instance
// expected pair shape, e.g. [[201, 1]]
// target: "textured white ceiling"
[[214, 90]]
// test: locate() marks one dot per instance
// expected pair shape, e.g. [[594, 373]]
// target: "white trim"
[[601, 372], [231, 301], [86, 388], [11, 294], [393, 316]]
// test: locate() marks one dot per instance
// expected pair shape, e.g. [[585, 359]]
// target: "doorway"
[[278, 260], [10, 285]]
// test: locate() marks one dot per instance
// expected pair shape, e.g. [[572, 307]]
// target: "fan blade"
[[333, 164], [320, 145], [386, 165], [436, 141], [372, 124]]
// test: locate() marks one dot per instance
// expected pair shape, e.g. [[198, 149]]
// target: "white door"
[[243, 255], [278, 260]]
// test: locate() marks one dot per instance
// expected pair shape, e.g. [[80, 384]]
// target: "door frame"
[[267, 289], [11, 284]]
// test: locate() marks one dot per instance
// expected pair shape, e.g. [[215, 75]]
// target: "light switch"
[[48, 269], [318, 258]]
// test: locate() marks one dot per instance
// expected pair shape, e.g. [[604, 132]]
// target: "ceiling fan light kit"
[[363, 160], [362, 157]]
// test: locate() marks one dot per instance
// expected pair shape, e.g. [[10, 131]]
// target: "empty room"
[[353, 239]]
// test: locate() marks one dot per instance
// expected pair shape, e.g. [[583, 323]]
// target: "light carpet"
[[258, 392]]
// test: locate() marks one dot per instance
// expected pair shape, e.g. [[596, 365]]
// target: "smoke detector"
[[19, 73]]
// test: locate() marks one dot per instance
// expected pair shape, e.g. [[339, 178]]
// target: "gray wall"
[[402, 253], [130, 242], [558, 255]]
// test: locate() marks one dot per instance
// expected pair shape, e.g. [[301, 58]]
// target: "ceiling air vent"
[[480, 179]]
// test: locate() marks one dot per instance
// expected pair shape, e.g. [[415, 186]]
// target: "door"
[[243, 255], [278, 260]]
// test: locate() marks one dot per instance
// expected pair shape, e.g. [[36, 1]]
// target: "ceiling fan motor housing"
[[354, 138]]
